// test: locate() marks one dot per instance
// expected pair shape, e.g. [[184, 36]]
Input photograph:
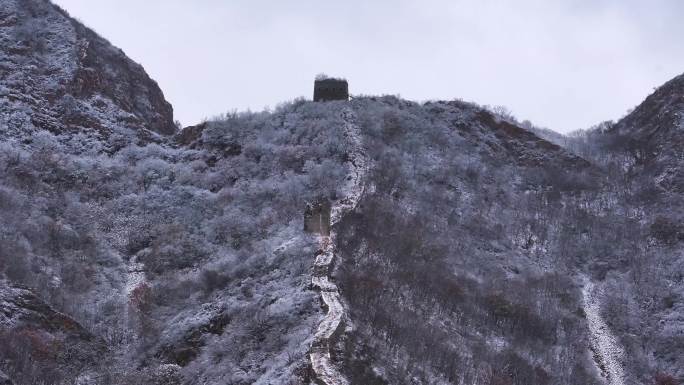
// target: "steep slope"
[[455, 264], [653, 135], [58, 75], [333, 324], [459, 249], [641, 158], [644, 156], [607, 351], [191, 262], [188, 263]]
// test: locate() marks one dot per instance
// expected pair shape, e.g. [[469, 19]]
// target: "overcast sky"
[[562, 64]]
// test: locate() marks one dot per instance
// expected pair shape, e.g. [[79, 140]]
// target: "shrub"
[[667, 230], [665, 379]]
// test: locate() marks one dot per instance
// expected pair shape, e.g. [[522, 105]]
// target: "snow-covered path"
[[608, 352], [323, 367]]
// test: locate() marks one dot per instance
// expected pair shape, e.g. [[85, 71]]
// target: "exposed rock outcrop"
[[41, 338]]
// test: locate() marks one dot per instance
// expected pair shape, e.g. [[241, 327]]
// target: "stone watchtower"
[[317, 218], [327, 88]]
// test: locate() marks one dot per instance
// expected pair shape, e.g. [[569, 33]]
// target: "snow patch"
[[608, 352]]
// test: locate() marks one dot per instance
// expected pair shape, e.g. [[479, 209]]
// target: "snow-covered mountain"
[[58, 75], [653, 136], [464, 249]]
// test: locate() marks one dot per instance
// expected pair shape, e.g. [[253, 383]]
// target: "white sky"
[[562, 64]]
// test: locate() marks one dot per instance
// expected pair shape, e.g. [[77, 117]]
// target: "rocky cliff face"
[[58, 75]]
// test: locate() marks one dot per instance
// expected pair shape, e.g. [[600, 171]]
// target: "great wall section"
[[325, 371]]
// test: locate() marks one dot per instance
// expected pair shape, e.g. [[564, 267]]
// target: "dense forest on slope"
[[466, 260], [463, 261], [178, 256], [132, 252]]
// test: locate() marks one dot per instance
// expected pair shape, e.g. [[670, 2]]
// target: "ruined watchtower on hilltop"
[[328, 88]]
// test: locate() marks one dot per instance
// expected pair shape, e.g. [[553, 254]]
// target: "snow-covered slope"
[[58, 75], [644, 152], [129, 255], [653, 136], [607, 351]]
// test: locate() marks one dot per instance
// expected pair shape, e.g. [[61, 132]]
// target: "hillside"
[[58, 75], [652, 136], [643, 154], [463, 249]]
